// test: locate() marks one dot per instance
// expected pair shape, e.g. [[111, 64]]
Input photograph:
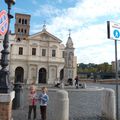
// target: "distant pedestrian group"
[[34, 99]]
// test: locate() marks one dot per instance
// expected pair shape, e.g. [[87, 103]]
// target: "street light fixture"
[[4, 73]]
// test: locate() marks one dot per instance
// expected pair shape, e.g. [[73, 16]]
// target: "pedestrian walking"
[[43, 99], [76, 81], [32, 98]]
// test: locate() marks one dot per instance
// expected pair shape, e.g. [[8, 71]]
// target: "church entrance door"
[[19, 74], [42, 75]]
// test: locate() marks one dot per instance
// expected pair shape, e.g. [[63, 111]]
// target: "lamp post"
[[4, 73]]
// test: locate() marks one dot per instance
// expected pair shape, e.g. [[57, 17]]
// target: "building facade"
[[114, 66], [41, 58]]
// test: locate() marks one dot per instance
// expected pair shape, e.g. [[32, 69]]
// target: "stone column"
[[6, 105], [28, 79], [37, 74], [108, 106], [61, 109]]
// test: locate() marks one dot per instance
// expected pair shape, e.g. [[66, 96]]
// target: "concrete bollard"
[[61, 110], [108, 106]]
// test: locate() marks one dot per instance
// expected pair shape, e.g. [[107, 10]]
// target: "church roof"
[[44, 32], [69, 43]]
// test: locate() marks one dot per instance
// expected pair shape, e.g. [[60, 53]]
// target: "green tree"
[[93, 68]]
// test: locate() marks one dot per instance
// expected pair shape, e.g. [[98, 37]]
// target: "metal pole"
[[4, 72], [117, 106]]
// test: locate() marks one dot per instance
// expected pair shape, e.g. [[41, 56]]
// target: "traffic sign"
[[3, 22], [113, 30], [116, 33]]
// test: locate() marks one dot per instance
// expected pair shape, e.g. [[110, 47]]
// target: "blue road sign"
[[113, 30], [116, 33]]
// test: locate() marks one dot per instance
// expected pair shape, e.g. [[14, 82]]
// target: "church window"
[[18, 39], [18, 29], [33, 51], [43, 52], [53, 53], [25, 21], [21, 30], [20, 20], [25, 31], [20, 50]]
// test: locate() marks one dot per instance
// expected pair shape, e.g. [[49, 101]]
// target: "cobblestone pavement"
[[83, 105]]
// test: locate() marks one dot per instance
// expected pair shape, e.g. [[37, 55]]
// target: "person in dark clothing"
[[76, 81]]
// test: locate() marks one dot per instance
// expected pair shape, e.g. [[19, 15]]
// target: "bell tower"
[[69, 59], [22, 26]]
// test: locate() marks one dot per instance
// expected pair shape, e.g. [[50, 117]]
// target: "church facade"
[[41, 57]]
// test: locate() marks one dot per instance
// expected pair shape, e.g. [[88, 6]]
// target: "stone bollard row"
[[61, 108]]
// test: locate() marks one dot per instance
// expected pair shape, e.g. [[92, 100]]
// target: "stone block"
[[6, 105]]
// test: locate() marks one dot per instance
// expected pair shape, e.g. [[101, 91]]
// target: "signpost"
[[3, 22], [113, 30]]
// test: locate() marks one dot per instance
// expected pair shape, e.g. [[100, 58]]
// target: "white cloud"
[[96, 54], [46, 10], [96, 8], [87, 19]]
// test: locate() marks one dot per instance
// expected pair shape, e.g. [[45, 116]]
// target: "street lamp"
[[4, 73]]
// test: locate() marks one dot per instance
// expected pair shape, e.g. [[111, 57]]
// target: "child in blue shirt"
[[43, 100]]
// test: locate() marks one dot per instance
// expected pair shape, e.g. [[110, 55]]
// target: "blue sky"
[[86, 19]]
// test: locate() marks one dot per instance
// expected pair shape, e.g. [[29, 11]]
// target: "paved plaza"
[[83, 105]]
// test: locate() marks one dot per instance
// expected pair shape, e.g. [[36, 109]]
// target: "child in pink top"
[[32, 97]]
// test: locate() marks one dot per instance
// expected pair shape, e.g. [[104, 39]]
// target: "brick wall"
[[5, 111], [6, 105]]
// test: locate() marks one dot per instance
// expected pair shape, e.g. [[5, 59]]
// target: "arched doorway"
[[61, 74], [19, 74], [42, 75]]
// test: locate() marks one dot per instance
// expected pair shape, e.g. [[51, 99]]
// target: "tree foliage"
[[94, 68]]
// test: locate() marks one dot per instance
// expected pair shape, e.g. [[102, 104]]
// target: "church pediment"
[[44, 36]]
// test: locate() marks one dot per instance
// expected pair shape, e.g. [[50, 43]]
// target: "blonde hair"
[[32, 87], [44, 88]]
